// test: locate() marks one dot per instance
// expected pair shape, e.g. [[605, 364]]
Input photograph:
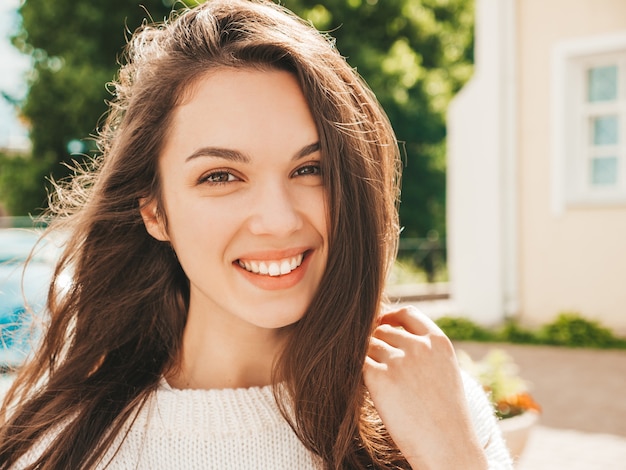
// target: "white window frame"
[[571, 147]]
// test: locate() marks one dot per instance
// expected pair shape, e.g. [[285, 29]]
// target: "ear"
[[151, 219]]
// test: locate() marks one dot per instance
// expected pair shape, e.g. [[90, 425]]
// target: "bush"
[[463, 329], [570, 329], [514, 333]]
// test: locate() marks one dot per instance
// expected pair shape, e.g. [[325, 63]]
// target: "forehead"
[[242, 107]]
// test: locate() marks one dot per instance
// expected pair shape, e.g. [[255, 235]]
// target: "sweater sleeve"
[[486, 426]]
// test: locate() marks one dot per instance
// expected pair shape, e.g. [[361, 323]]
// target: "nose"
[[274, 211]]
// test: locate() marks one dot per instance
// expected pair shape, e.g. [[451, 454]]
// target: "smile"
[[272, 267]]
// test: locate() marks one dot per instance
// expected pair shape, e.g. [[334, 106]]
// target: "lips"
[[274, 268]]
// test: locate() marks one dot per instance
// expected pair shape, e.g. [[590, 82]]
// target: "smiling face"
[[244, 199]]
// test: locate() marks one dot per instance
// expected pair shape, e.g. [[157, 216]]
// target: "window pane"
[[605, 130], [604, 171], [602, 83]]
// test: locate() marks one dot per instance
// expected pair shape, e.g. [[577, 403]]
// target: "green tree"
[[415, 54], [75, 46], [21, 184]]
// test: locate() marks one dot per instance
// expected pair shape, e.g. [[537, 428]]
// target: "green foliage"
[[425, 255], [415, 54], [497, 370], [498, 373], [28, 176], [405, 272], [568, 329], [514, 333], [74, 47], [463, 329]]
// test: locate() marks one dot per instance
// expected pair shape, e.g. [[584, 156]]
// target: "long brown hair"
[[117, 330]]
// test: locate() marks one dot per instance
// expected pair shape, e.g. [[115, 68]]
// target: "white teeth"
[[263, 268], [285, 267], [295, 262], [272, 268]]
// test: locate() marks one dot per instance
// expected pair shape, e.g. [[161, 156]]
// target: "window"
[[603, 114], [590, 122]]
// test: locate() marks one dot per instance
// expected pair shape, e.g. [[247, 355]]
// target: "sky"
[[13, 69]]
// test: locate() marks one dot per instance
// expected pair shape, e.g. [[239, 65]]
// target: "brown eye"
[[218, 177], [309, 170]]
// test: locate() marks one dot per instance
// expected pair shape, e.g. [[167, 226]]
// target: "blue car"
[[23, 292]]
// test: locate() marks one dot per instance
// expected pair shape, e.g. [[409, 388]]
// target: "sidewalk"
[[581, 391], [556, 449]]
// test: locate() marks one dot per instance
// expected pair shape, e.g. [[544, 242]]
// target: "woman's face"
[[243, 197]]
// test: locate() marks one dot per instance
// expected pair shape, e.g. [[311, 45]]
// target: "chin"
[[278, 321]]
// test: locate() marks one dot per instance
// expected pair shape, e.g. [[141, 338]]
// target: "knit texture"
[[210, 429], [241, 429]]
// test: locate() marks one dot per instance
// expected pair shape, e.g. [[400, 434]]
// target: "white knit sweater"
[[241, 429]]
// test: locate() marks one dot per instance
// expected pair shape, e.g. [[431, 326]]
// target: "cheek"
[[315, 209], [185, 226], [203, 228]]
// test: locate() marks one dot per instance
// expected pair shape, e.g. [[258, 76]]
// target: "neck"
[[222, 353]]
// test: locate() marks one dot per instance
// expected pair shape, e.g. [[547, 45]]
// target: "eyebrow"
[[237, 156]]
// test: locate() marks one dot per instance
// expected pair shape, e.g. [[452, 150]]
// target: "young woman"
[[228, 252]]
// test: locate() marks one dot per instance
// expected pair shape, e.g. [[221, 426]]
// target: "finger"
[[373, 372], [381, 351], [371, 365], [396, 337], [412, 320]]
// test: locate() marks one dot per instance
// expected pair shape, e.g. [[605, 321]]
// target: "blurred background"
[[512, 120], [14, 68]]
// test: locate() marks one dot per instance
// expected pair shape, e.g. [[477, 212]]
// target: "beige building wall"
[[481, 175], [574, 259]]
